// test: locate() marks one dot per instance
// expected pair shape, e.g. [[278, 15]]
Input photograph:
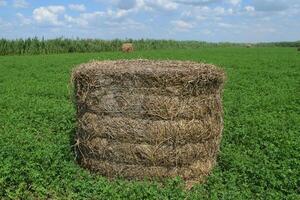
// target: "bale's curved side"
[[141, 131], [195, 172], [148, 119], [127, 47]]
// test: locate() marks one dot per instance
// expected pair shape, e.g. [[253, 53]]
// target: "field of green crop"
[[260, 150]]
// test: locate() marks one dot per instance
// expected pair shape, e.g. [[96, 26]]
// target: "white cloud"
[[234, 2], [56, 9], [196, 2], [225, 25], [112, 22], [124, 25], [118, 13], [4, 25], [161, 4], [211, 19], [92, 15], [23, 20], [49, 15], [85, 19], [20, 4], [77, 7], [138, 5], [3, 3], [249, 8], [207, 32], [209, 12], [219, 10], [77, 21], [98, 17], [206, 15], [182, 25]]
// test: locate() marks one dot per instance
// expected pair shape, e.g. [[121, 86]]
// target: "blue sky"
[[205, 20]]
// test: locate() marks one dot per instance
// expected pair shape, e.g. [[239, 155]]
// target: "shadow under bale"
[[149, 119]]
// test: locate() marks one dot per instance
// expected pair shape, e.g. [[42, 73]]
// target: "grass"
[[260, 150]]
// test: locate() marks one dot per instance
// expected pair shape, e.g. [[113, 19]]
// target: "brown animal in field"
[[127, 47]]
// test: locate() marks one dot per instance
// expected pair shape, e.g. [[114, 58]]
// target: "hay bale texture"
[[148, 119], [127, 47]]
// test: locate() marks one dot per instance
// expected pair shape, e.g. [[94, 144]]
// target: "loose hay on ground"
[[148, 119]]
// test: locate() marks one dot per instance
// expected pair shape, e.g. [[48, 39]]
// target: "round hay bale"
[[148, 119], [127, 47]]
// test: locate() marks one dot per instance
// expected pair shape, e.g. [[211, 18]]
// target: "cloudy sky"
[[206, 20]]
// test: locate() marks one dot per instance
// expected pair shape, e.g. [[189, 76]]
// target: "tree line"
[[31, 46]]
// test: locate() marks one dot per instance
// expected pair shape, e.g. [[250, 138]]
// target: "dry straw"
[[148, 119], [127, 47]]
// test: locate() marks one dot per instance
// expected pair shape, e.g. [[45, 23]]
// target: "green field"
[[260, 150]]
